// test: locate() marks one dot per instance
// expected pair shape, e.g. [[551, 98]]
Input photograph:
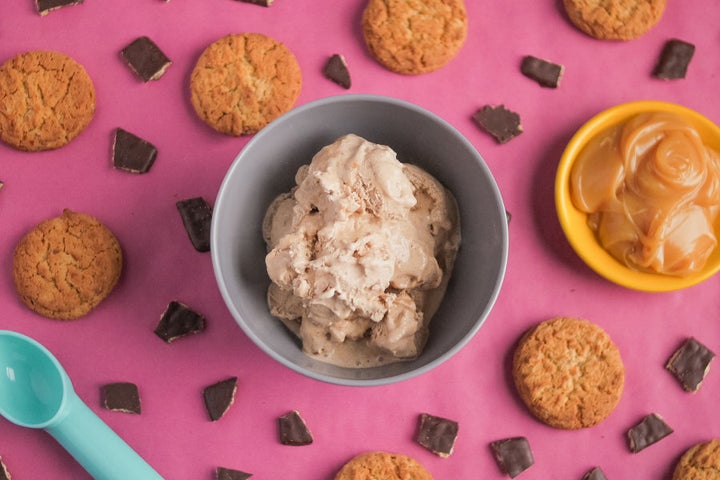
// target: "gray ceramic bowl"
[[266, 168]]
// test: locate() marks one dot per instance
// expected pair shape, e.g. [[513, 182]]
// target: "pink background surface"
[[544, 277]]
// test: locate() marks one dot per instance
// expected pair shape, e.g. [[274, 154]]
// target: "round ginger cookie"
[[699, 462], [65, 266], [414, 36], [383, 466], [242, 82], [614, 19], [568, 372], [46, 100]]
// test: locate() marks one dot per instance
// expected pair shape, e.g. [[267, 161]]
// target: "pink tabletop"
[[544, 277]]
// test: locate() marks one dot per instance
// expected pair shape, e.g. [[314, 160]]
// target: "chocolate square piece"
[[501, 123], [336, 69], [46, 6], [437, 434], [131, 153], [595, 474], [4, 474], [690, 363], [674, 60], [650, 430], [196, 216], [230, 474], [262, 3], [145, 59], [545, 73], [293, 430], [178, 320], [121, 397], [219, 396], [513, 455]]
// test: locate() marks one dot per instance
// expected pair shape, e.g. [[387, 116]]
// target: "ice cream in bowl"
[[638, 195]]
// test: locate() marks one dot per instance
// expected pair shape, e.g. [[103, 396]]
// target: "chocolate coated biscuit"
[[614, 19], [383, 465]]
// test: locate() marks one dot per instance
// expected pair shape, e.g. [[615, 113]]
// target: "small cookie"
[[46, 100], [699, 462], [383, 465], [614, 19], [568, 372], [413, 36], [242, 82], [65, 266]]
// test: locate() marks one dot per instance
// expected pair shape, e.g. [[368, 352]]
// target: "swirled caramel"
[[651, 190]]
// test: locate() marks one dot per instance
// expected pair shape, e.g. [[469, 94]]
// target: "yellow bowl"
[[574, 222]]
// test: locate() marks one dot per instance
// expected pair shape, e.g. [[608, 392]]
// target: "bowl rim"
[[590, 251]]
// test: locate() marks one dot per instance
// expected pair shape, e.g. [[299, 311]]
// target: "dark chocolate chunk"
[[336, 69], [674, 60], [178, 320], [293, 430], [690, 363], [437, 434], [196, 216], [145, 59], [262, 3], [650, 430], [131, 153], [545, 73], [121, 397], [595, 474], [4, 474], [502, 124], [513, 455], [230, 474], [219, 396], [46, 6]]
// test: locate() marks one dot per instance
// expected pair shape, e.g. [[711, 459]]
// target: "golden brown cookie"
[[614, 19], [65, 266], [46, 100], [568, 372], [383, 466], [414, 36], [700, 462], [241, 82]]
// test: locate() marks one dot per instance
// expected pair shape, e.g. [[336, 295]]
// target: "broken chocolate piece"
[[437, 434], [336, 69], [219, 396], [674, 60], [650, 430], [230, 474], [513, 455], [46, 6], [131, 153], [595, 474], [4, 474], [196, 216], [293, 430], [545, 73], [121, 397], [690, 363], [502, 124], [145, 59], [178, 320], [262, 3]]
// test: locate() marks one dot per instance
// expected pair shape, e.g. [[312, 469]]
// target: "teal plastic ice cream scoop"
[[36, 392]]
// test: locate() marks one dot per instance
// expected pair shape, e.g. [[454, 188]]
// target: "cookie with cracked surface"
[[614, 19], [46, 100], [384, 465], [699, 462], [414, 36], [569, 373], [242, 82], [65, 266]]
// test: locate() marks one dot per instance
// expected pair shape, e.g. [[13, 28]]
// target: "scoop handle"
[[96, 446]]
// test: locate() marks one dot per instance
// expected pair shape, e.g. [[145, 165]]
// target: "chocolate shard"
[[674, 60], [650, 430], [595, 474], [222, 473], [121, 397], [178, 320], [336, 69], [262, 3], [501, 123], [145, 59], [547, 74], [513, 455], [4, 473], [294, 430], [46, 6], [437, 434], [131, 153], [196, 216], [219, 397], [690, 364]]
